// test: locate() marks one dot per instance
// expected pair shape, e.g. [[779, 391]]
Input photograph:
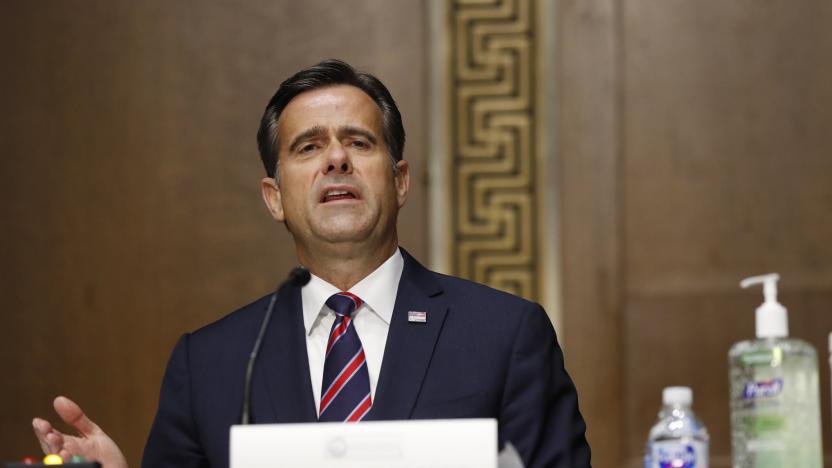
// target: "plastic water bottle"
[[678, 439]]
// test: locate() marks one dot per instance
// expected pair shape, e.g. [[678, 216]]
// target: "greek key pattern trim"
[[491, 110]]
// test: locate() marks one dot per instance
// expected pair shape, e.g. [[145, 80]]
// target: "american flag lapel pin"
[[417, 316]]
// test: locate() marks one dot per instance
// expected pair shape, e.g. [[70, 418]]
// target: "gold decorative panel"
[[493, 161]]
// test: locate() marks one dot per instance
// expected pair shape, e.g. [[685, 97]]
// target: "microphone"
[[299, 276]]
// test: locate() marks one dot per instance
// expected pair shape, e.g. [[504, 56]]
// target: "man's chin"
[[344, 235]]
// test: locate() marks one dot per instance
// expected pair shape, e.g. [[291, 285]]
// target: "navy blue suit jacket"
[[482, 354]]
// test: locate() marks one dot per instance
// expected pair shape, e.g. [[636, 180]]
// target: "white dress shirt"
[[371, 321]]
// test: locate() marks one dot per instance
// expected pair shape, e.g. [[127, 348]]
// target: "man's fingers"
[[55, 441], [77, 446], [50, 438], [41, 428], [72, 414]]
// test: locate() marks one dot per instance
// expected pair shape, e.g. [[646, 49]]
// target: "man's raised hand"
[[91, 442]]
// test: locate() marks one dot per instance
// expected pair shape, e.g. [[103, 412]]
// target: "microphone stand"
[[299, 276]]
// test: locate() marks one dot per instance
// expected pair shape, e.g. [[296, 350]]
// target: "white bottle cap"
[[677, 396], [771, 317]]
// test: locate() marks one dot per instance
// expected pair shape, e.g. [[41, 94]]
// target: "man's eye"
[[307, 148], [360, 144]]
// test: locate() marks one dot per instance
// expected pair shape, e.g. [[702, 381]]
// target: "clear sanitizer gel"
[[775, 402]]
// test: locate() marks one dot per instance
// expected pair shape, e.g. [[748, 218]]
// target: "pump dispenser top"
[[771, 317]]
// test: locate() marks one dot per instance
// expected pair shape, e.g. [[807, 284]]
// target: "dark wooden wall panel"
[[130, 182], [726, 173], [588, 165], [694, 151]]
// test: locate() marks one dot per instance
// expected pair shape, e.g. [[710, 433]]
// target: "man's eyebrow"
[[350, 130], [312, 132]]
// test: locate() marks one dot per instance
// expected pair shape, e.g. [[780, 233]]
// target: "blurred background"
[[632, 161]]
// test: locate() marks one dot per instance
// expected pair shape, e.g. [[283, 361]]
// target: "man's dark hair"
[[328, 73]]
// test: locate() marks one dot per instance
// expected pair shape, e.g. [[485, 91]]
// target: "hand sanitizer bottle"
[[775, 402], [678, 439]]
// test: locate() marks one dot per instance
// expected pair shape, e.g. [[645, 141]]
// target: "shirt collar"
[[377, 290]]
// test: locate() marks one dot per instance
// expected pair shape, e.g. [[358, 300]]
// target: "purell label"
[[763, 389], [678, 455]]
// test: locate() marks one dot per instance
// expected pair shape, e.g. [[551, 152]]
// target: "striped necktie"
[[345, 389]]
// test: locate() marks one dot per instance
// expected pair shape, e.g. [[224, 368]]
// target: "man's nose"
[[338, 160]]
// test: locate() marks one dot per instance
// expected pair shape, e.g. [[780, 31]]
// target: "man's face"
[[337, 182]]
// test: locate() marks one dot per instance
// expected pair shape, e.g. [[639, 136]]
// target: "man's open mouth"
[[337, 194]]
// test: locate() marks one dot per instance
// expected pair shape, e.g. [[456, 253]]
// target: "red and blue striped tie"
[[345, 390]]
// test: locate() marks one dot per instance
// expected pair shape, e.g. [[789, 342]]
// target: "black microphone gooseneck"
[[299, 276]]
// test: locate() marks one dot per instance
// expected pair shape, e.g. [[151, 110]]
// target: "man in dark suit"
[[374, 335]]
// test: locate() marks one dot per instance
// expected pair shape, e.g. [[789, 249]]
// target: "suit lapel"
[[285, 390], [409, 346]]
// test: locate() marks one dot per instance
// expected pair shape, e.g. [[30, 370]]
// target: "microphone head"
[[299, 276]]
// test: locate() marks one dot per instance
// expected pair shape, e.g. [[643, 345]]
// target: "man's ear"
[[272, 198], [402, 180]]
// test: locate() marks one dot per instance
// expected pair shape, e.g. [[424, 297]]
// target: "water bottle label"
[[675, 454]]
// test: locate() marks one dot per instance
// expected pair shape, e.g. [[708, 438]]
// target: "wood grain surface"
[[129, 181]]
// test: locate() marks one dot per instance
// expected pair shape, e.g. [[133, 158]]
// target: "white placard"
[[453, 443]]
